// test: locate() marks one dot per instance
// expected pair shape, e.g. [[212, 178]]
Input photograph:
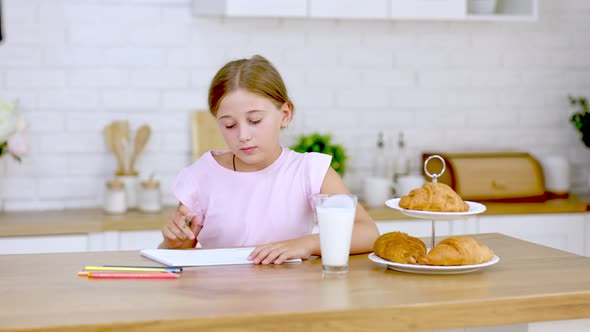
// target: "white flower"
[[18, 145], [12, 127], [9, 120]]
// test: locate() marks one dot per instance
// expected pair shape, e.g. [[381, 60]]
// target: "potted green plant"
[[322, 143], [581, 119]]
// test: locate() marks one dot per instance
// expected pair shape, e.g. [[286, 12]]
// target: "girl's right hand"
[[176, 234]]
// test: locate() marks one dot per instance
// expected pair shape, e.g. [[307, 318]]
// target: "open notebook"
[[202, 257]]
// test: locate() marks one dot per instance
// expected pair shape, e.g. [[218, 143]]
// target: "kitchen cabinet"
[[103, 241], [44, 244], [427, 9], [126, 240], [250, 8], [565, 231], [74, 231], [509, 10], [423, 228], [137, 240], [560, 231], [354, 9], [416, 227], [506, 10]]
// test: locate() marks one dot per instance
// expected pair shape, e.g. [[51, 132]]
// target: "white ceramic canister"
[[131, 188], [407, 183], [377, 190], [150, 196], [556, 170], [115, 198]]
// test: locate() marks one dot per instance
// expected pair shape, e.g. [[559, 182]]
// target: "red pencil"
[[165, 275]]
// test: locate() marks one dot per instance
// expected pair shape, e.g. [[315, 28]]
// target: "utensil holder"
[[131, 188]]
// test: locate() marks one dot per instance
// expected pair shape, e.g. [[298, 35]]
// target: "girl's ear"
[[287, 114]]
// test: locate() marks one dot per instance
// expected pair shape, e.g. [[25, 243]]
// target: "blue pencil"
[[171, 269]]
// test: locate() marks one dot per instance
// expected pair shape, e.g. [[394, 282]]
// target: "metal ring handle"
[[435, 176]]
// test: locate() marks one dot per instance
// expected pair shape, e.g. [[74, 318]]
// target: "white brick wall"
[[77, 65]]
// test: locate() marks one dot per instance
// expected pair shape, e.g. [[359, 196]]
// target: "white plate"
[[429, 269], [474, 208]]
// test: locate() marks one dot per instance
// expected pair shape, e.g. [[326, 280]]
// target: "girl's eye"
[[255, 122], [230, 126]]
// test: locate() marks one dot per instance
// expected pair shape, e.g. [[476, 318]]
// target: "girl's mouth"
[[248, 150]]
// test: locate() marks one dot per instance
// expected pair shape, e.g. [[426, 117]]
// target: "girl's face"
[[251, 125]]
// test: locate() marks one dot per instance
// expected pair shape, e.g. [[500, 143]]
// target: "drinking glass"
[[335, 216]]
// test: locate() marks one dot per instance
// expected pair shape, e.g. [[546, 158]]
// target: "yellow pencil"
[[145, 269]]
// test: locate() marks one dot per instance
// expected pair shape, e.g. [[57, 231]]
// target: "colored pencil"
[[171, 269], [130, 269], [101, 275]]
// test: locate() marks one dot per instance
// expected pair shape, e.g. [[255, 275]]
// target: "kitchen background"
[[76, 66]]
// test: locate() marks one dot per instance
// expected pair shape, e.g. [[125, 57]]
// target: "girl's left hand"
[[278, 252]]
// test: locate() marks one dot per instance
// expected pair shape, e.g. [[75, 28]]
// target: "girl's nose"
[[245, 134]]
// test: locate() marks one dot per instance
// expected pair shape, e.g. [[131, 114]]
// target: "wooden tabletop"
[[84, 221], [530, 283]]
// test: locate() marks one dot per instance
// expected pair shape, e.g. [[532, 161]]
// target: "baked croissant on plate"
[[399, 247], [461, 250], [434, 196]]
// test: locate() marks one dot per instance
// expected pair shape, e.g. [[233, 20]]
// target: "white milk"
[[335, 234]]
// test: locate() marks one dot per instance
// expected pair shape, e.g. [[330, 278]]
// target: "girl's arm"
[[365, 231]]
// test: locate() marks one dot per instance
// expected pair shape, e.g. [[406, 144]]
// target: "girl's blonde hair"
[[256, 75]]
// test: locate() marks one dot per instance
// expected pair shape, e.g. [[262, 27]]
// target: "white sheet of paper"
[[202, 257]]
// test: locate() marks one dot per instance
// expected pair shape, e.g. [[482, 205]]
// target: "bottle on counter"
[[115, 197], [377, 187], [380, 160], [402, 163], [150, 196]]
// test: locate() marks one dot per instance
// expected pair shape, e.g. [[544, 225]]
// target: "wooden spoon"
[[141, 138], [111, 133], [120, 153], [108, 135]]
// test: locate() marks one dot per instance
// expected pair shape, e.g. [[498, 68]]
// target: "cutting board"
[[206, 135]]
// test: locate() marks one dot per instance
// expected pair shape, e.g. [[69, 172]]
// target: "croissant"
[[434, 196], [461, 250], [399, 247]]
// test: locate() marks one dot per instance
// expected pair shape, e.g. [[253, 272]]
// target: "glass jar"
[[115, 198], [150, 197]]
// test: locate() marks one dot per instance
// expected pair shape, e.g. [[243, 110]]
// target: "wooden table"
[[530, 283]]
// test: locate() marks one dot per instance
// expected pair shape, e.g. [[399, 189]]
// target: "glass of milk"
[[335, 216]]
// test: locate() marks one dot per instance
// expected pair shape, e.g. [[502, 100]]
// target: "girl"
[[257, 193]]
